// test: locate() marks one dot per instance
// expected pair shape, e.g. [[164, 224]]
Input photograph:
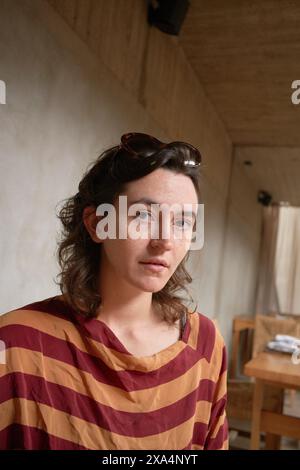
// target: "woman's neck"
[[124, 304], [123, 309]]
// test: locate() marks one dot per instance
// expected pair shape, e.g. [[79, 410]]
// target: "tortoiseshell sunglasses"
[[134, 141]]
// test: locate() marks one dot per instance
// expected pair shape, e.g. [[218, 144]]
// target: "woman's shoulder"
[[39, 324], [36, 313], [205, 335], [210, 325]]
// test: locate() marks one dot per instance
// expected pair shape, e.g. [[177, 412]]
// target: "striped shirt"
[[67, 382]]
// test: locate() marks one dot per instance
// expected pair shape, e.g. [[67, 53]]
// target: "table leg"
[[256, 414], [272, 441]]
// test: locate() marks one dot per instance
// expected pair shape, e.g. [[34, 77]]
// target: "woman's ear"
[[90, 220]]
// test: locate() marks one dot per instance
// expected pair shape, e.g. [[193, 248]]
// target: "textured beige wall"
[[62, 109], [239, 264], [77, 78]]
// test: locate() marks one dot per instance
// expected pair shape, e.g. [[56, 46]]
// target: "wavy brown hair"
[[79, 256]]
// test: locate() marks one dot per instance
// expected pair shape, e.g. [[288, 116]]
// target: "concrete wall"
[[238, 282], [78, 75]]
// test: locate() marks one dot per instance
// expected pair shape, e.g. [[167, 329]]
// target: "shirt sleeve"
[[11, 408], [217, 433], [6, 415]]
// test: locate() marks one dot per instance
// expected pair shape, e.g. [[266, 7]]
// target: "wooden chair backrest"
[[267, 326]]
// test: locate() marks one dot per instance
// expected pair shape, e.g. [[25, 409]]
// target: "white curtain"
[[266, 296], [287, 261]]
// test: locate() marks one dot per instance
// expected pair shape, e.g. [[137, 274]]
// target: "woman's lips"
[[156, 268]]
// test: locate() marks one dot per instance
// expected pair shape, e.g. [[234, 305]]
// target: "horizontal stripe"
[[59, 307], [27, 338], [88, 435], [126, 423], [73, 378], [59, 328], [33, 338], [199, 434], [63, 329], [34, 363], [98, 330], [217, 410], [225, 445], [95, 327], [192, 446], [19, 437], [221, 387], [221, 439], [220, 423], [218, 426], [207, 331], [215, 441], [196, 447], [224, 360]]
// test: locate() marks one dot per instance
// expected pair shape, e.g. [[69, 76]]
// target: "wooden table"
[[274, 369]]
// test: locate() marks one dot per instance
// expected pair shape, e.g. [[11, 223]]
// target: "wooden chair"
[[241, 326], [240, 390], [267, 328]]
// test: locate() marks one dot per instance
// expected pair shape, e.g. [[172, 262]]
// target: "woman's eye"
[[143, 215], [182, 223]]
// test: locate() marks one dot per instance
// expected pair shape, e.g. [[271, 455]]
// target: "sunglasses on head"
[[136, 142]]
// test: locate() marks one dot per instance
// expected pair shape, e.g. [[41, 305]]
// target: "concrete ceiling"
[[246, 55], [275, 170]]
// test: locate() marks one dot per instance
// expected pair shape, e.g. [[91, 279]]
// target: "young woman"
[[117, 361]]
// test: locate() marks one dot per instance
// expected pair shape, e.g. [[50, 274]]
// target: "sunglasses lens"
[[141, 143], [193, 158]]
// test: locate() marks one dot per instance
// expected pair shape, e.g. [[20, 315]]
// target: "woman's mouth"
[[154, 266]]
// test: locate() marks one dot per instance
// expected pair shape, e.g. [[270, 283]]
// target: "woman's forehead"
[[162, 186]]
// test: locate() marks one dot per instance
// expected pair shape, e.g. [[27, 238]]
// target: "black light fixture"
[[264, 198], [168, 15]]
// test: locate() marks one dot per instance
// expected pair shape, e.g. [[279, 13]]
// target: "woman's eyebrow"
[[148, 202], [191, 213], [145, 201]]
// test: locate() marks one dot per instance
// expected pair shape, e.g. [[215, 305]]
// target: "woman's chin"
[[151, 286]]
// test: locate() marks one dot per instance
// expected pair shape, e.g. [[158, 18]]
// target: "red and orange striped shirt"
[[67, 382]]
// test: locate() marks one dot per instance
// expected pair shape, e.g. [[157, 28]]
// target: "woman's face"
[[138, 261]]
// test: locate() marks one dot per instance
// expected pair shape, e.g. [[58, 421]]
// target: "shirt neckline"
[[115, 344], [123, 348]]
